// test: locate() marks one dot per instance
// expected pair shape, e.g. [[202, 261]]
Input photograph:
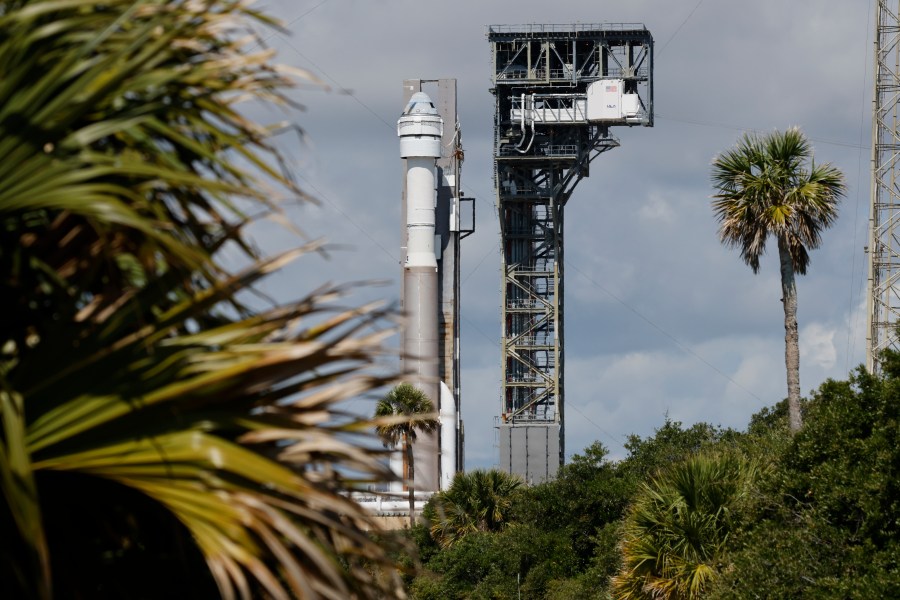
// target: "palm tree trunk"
[[791, 335], [412, 478]]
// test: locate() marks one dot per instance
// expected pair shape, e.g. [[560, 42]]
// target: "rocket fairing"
[[420, 129]]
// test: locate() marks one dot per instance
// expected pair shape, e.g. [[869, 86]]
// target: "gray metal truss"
[[884, 228], [543, 146]]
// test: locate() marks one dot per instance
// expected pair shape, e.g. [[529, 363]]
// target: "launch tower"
[[883, 307], [558, 90]]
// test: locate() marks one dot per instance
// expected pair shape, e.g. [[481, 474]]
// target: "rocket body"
[[420, 204], [420, 129]]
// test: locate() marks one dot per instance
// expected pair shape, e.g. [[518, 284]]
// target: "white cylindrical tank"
[[420, 129], [448, 417], [397, 468]]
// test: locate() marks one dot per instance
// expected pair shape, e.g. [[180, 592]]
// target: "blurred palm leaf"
[[145, 409], [121, 138]]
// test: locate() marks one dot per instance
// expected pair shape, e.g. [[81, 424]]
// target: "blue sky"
[[660, 318]]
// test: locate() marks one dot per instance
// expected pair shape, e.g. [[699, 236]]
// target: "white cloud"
[[656, 209], [817, 345]]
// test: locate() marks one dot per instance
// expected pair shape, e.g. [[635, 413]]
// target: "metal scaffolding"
[[884, 228], [558, 89]]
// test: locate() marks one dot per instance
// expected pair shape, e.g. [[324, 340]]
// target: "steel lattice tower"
[[558, 90], [884, 227]]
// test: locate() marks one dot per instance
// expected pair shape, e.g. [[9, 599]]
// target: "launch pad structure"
[[558, 90]]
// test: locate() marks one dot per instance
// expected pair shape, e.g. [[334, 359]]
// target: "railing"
[[532, 340], [531, 231], [511, 189], [540, 266], [560, 150], [533, 28], [520, 74], [549, 108], [391, 504]]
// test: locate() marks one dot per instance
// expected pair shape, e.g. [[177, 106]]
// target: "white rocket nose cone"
[[420, 104], [420, 128]]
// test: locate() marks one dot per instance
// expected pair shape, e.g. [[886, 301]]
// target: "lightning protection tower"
[[884, 226], [558, 91]]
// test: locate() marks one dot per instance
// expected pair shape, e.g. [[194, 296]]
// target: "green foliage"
[[815, 516], [476, 501], [399, 417], [497, 564], [402, 413], [588, 493], [573, 520], [675, 533], [669, 444], [824, 521]]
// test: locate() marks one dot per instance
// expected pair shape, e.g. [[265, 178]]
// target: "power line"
[[307, 12], [348, 92], [589, 420], [675, 340], [686, 19], [288, 24], [857, 146], [862, 113], [321, 196]]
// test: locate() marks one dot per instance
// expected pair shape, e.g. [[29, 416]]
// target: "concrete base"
[[530, 451]]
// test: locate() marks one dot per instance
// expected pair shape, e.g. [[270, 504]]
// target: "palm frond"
[[133, 378], [192, 421], [764, 187], [675, 530], [415, 411], [476, 501]]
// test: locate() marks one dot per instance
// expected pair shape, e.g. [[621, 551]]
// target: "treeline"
[[691, 512]]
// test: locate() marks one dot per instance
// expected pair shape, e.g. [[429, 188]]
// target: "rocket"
[[420, 129]]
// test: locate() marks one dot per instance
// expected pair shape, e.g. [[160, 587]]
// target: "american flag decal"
[[611, 88]]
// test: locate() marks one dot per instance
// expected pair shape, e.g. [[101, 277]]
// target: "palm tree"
[[156, 433], [770, 185], [476, 501], [400, 415], [675, 533]]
